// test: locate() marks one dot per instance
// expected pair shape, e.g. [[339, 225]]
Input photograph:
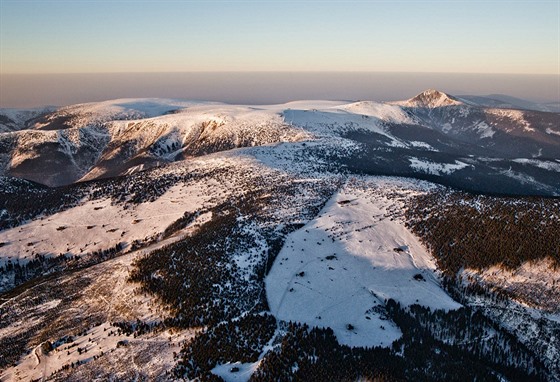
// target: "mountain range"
[[433, 135], [157, 239]]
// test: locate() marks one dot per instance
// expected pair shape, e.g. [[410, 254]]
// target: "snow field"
[[98, 224], [339, 269]]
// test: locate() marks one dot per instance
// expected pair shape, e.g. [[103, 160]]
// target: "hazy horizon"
[[37, 90], [271, 51]]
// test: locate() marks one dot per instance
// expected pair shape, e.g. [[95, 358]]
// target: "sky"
[[82, 36], [411, 36]]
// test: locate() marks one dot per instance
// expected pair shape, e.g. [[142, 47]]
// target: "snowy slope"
[[17, 119], [99, 224], [110, 293], [340, 268], [191, 132], [94, 142], [95, 113]]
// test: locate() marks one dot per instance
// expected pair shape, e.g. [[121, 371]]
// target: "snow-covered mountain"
[[433, 135], [113, 138], [431, 99], [497, 132], [313, 240]]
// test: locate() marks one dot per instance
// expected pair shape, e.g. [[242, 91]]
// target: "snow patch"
[[236, 372], [546, 165], [436, 168], [484, 130], [516, 116], [533, 283], [422, 145], [551, 131]]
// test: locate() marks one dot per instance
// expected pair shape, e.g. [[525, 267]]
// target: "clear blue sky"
[[81, 36]]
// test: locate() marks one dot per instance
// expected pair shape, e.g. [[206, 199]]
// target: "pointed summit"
[[432, 98]]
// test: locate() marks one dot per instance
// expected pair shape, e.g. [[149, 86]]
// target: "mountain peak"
[[433, 98]]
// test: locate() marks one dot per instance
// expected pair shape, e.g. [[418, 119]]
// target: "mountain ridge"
[[113, 138]]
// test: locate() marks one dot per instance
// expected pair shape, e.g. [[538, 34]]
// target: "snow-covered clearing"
[[339, 269], [422, 145], [98, 224]]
